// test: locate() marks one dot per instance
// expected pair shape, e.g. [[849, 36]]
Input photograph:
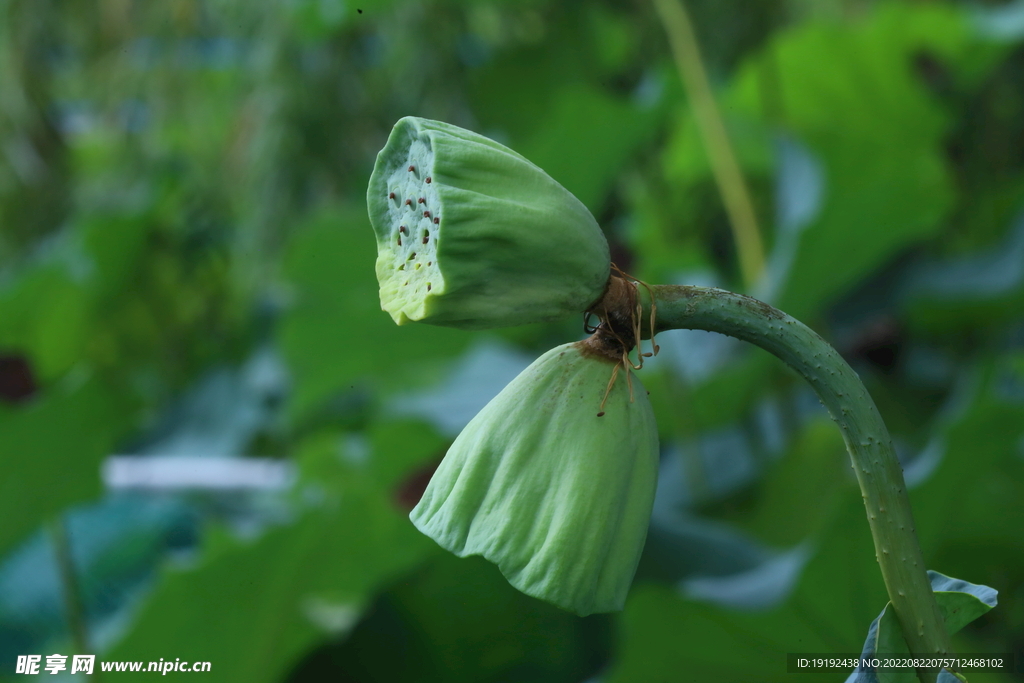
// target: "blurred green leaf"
[[49, 309], [814, 471], [253, 607], [970, 291], [665, 638], [878, 132], [979, 466], [850, 93], [114, 244], [664, 633], [400, 446], [336, 335], [555, 103], [52, 450], [730, 393], [45, 315], [458, 620], [603, 134]]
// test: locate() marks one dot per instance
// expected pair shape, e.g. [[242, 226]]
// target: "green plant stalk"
[[73, 611], [728, 177], [867, 440]]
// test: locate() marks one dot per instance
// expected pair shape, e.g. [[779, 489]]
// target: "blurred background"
[[211, 436]]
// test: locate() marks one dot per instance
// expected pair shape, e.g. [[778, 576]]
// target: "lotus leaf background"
[[186, 270]]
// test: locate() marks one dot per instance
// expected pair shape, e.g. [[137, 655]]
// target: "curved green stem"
[[867, 440]]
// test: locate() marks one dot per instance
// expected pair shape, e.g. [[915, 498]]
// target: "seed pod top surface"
[[557, 496], [472, 235]]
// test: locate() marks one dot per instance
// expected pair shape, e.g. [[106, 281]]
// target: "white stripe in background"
[[168, 473]]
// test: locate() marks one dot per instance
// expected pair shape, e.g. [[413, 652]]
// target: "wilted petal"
[[555, 495]]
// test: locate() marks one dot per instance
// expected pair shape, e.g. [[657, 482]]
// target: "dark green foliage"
[[182, 191]]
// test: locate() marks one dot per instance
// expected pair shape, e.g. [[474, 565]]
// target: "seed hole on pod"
[[430, 263], [436, 220], [411, 256], [426, 214], [401, 267], [423, 200], [399, 241], [601, 414], [428, 180], [391, 195], [402, 229], [426, 240], [428, 286], [412, 168], [408, 202], [418, 266], [406, 284]]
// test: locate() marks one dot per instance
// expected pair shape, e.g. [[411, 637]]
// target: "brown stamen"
[[620, 330]]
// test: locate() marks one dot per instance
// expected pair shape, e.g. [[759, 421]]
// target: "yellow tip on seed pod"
[[554, 494]]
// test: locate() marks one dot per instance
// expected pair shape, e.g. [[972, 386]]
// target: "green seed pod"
[[550, 485], [472, 235]]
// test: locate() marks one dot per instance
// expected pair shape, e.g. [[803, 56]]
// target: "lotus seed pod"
[[472, 235], [550, 485]]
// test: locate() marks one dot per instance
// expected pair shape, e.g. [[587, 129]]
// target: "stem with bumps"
[[867, 440]]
